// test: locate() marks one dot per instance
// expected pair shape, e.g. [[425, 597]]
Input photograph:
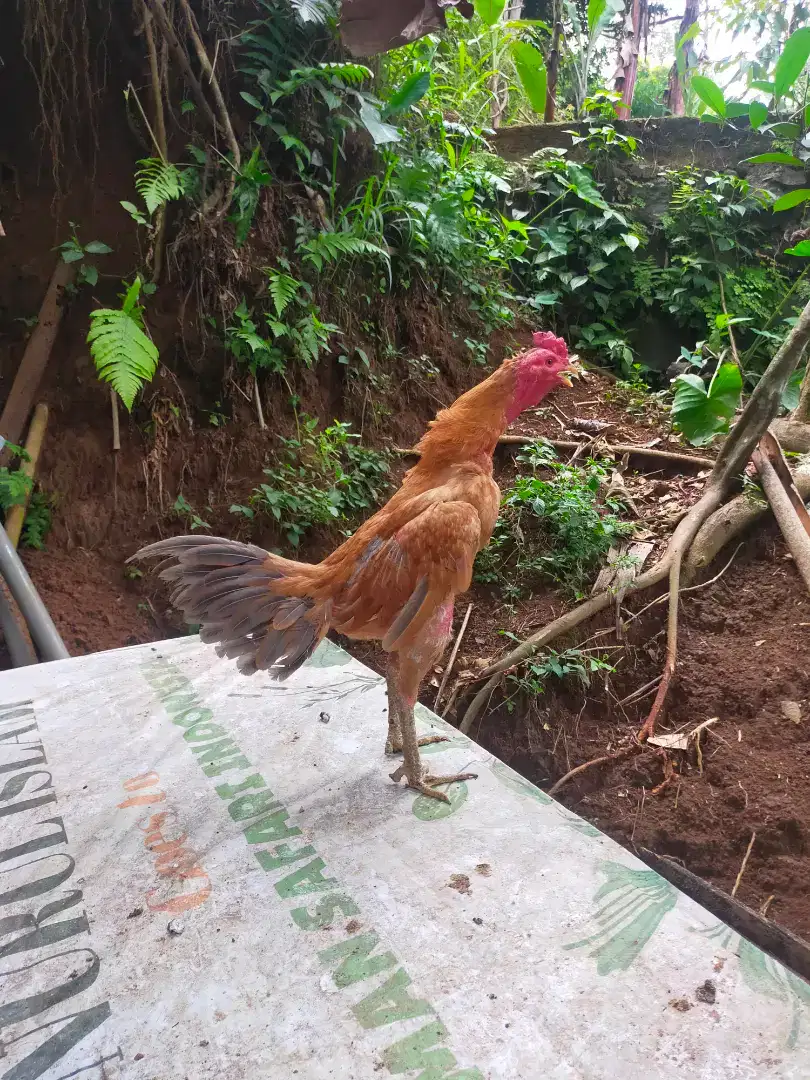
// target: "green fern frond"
[[313, 11], [158, 182], [283, 289], [330, 247], [123, 354]]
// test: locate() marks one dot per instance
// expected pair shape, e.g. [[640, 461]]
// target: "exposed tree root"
[[738, 447], [616, 756]]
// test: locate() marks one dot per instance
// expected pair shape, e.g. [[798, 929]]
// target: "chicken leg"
[[404, 677]]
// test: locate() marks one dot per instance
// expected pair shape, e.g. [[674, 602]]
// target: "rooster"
[[394, 581]]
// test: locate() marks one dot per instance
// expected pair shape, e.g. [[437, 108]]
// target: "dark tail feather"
[[235, 592]]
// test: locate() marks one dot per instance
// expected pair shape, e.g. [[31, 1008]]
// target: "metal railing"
[[40, 624]]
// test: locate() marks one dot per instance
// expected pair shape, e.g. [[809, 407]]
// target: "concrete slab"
[[203, 875]]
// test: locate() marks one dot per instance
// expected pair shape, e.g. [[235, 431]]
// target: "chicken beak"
[[572, 369]]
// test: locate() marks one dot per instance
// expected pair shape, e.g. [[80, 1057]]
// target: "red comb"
[[543, 339]]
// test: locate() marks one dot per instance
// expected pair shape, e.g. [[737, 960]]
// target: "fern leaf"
[[157, 182], [283, 290], [124, 356], [330, 247], [313, 11]]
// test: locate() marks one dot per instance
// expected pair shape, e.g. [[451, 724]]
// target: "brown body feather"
[[388, 582]]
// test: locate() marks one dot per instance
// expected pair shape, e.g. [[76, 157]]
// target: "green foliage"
[[15, 485], [324, 478], [250, 179], [581, 258], [556, 526], [124, 356], [38, 521], [331, 247], [184, 510], [702, 413], [157, 182], [74, 251], [651, 85], [243, 340], [570, 663]]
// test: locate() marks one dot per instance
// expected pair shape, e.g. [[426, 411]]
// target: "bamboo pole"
[[33, 447]]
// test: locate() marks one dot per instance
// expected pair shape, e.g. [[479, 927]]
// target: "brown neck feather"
[[470, 428]]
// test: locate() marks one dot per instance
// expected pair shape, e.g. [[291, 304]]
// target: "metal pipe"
[[19, 648], [46, 636]]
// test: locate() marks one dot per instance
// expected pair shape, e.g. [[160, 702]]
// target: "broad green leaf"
[[791, 63], [709, 93], [690, 35], [380, 132], [792, 392], [792, 198], [414, 88], [596, 10], [531, 69], [802, 249], [701, 414], [97, 247], [776, 157], [757, 114], [72, 254], [725, 389], [545, 298], [784, 130], [765, 87], [250, 99], [489, 11], [631, 240], [735, 109]]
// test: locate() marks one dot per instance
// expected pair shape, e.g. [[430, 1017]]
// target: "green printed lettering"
[[391, 1002], [353, 955], [413, 1052], [219, 767], [180, 701], [204, 732], [308, 879], [228, 791], [272, 827], [283, 855], [189, 717], [213, 751], [167, 684], [325, 913], [248, 806]]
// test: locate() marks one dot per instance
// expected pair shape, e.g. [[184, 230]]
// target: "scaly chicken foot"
[[402, 737], [427, 784], [393, 743]]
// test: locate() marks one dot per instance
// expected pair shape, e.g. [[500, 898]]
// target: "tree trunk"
[[627, 70], [674, 94]]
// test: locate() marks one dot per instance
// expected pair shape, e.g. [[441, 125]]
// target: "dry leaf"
[[791, 710]]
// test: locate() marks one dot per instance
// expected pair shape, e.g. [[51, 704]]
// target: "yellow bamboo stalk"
[[33, 446]]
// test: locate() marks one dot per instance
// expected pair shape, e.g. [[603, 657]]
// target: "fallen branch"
[[734, 454], [619, 449], [744, 863], [452, 659], [24, 389]]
